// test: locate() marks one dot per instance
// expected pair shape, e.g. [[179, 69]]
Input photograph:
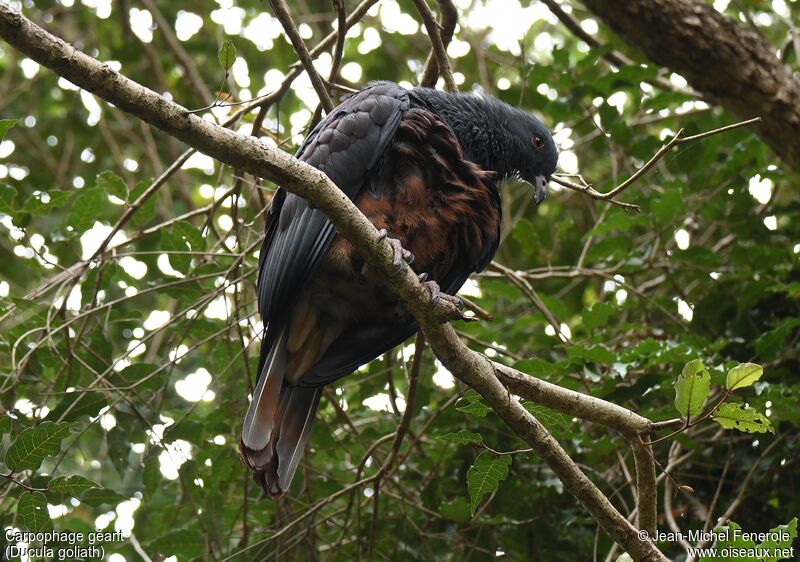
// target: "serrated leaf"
[[227, 54], [549, 418], [463, 437], [743, 375], [41, 203], [787, 533], [85, 209], [8, 197], [692, 388], [472, 403], [32, 510], [182, 543], [5, 126], [485, 475], [110, 183], [737, 416], [35, 444], [74, 485]]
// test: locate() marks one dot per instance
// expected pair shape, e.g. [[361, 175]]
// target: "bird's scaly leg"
[[437, 294], [401, 255]]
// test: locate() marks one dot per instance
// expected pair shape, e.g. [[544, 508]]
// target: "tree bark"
[[731, 64]]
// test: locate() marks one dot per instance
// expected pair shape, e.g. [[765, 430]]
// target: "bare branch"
[[438, 45], [282, 13], [449, 18]]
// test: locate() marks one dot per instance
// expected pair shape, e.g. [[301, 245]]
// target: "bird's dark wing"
[[348, 143], [444, 209]]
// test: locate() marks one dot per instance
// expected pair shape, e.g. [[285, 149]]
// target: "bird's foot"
[[401, 255], [437, 295]]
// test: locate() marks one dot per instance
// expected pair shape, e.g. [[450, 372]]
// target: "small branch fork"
[[676, 140]]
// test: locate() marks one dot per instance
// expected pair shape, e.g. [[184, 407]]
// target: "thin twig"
[[449, 18], [283, 15], [438, 46]]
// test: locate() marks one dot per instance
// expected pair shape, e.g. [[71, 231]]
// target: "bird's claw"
[[437, 295], [401, 255]]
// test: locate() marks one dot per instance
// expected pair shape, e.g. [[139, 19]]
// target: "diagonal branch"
[[249, 154], [449, 18], [439, 49], [282, 13]]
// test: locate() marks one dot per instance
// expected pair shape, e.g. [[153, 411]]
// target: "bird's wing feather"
[[346, 145]]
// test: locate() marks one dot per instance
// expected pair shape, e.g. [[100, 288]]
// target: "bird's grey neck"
[[479, 124]]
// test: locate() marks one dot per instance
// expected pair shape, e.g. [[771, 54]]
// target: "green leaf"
[[8, 197], [146, 211], [743, 375], [551, 419], [779, 542], [463, 437], [85, 209], [5, 126], [151, 476], [596, 354], [665, 208], [110, 183], [42, 203], [182, 543], [692, 388], [6, 424], [227, 54], [34, 444], [119, 448], [32, 510], [737, 416], [727, 538], [141, 375], [182, 237], [597, 316], [456, 510], [484, 476], [102, 496], [472, 403], [74, 485]]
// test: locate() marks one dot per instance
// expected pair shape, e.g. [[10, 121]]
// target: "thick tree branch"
[[721, 58], [249, 154]]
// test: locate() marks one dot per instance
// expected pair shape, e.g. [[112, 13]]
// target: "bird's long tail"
[[277, 423]]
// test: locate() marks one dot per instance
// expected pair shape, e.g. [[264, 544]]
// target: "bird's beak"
[[540, 189]]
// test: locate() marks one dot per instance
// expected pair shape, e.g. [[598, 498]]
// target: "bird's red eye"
[[538, 142]]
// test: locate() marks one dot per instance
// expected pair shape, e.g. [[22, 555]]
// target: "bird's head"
[[535, 154], [498, 137]]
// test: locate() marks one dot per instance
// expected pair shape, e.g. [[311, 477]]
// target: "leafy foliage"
[[149, 350], [691, 389], [34, 444], [485, 475]]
